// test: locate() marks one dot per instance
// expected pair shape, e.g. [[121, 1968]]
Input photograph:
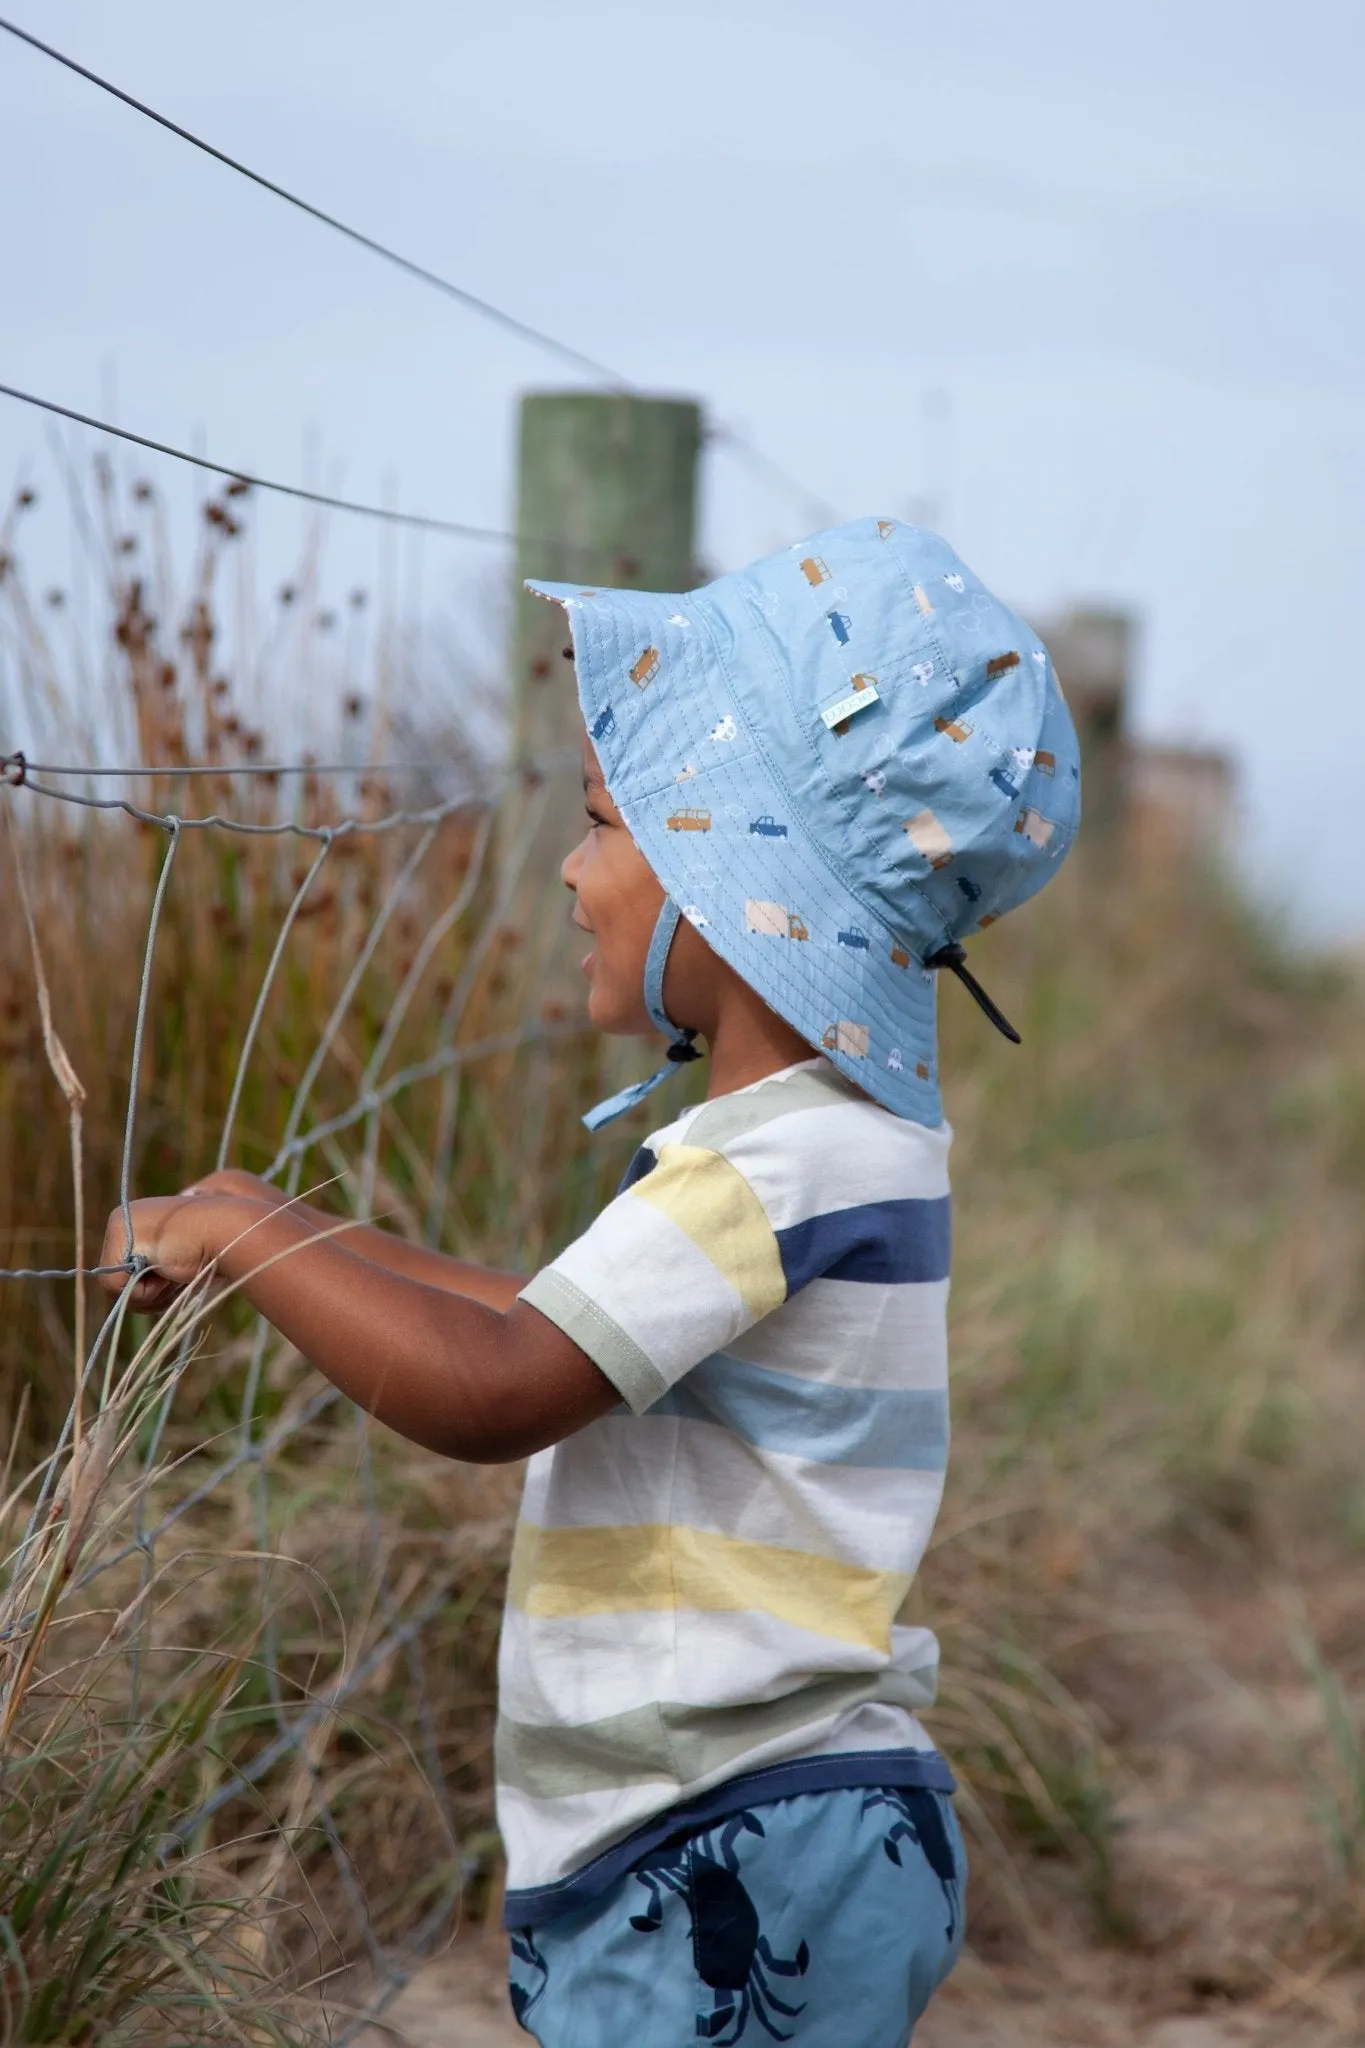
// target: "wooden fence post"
[[606, 492]]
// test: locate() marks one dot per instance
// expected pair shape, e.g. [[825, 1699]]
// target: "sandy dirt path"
[[461, 2002]]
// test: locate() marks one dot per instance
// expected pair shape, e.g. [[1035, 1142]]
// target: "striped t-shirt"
[[705, 1583]]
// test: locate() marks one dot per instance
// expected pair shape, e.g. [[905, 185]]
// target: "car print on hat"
[[773, 920], [849, 1039]]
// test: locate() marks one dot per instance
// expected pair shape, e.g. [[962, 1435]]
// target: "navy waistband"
[[847, 1770]]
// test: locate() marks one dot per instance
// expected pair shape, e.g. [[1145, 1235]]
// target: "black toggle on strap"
[[953, 956], [682, 1050]]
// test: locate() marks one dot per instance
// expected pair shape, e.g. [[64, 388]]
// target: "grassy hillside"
[[1154, 1507]]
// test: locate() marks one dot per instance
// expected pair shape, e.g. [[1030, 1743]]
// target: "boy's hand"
[[178, 1235]]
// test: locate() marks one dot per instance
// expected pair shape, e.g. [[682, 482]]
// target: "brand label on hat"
[[863, 694]]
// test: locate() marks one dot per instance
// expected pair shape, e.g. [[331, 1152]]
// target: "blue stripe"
[[644, 1162], [893, 1429], [888, 1242]]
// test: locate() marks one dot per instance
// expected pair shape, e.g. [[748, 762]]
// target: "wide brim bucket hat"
[[840, 763]]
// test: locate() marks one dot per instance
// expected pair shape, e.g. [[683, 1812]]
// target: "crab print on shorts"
[[733, 1957]]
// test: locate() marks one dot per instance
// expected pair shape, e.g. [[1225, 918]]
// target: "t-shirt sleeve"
[[678, 1266]]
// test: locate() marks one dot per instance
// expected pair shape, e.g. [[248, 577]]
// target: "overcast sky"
[[1128, 243]]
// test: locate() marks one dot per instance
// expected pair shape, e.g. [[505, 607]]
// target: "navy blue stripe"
[[853, 1769], [895, 1429], [887, 1242], [644, 1162]]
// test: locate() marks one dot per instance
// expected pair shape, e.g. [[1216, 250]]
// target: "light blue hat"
[[839, 762]]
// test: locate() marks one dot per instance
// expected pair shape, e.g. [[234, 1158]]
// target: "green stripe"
[[718, 1123], [683, 1744]]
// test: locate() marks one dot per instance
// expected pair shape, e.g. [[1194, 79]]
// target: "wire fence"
[[816, 509], [256, 1457]]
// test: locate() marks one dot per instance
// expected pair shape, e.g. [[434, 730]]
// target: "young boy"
[[805, 783]]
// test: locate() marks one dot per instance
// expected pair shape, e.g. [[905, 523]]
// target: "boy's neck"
[[749, 1042]]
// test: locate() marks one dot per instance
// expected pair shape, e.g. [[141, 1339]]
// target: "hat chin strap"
[[683, 1047]]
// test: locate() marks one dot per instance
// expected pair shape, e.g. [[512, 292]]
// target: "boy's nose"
[[569, 866]]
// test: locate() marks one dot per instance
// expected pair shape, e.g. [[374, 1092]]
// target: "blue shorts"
[[828, 1919]]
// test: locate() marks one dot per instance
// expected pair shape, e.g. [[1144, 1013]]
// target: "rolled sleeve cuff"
[[635, 1377]]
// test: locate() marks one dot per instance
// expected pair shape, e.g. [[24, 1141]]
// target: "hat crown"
[[919, 730]]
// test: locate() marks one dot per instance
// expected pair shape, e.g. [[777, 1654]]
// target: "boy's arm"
[[451, 1373], [434, 1269]]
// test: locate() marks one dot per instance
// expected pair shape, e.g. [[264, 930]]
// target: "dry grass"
[[1157, 1321]]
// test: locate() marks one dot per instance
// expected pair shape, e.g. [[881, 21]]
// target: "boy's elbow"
[[507, 1430], [491, 1444], [526, 1417]]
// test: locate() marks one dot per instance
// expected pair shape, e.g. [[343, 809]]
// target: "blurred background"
[[1081, 288]]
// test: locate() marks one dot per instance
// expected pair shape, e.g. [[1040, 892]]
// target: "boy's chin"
[[613, 1011]]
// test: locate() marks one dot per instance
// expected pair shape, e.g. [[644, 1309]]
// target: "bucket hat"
[[840, 763]]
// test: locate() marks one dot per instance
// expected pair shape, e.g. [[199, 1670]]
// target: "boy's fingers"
[[146, 1286], [150, 1292], [168, 1243], [147, 1289]]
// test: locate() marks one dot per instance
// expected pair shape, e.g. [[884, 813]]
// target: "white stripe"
[[631, 1471], [656, 1285], [856, 1334], [587, 1667], [818, 1160], [538, 1470]]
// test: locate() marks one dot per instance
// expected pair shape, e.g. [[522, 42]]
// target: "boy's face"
[[619, 901]]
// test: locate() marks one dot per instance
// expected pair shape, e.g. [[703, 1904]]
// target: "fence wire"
[[253, 1452]]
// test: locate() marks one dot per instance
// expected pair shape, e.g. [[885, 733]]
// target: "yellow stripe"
[[713, 1204], [561, 1573]]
